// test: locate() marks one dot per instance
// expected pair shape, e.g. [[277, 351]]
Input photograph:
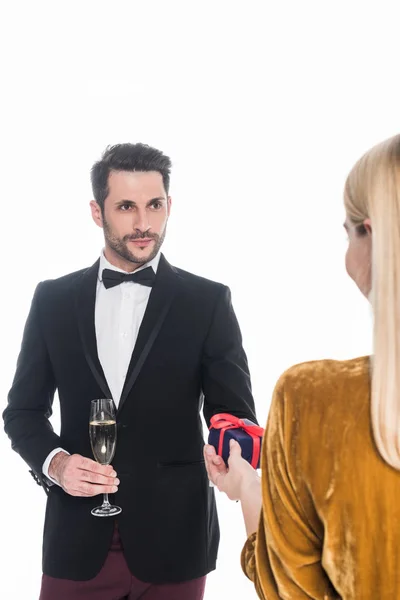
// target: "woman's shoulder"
[[313, 378], [320, 398]]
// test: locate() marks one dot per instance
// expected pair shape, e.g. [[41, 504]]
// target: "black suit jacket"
[[188, 354]]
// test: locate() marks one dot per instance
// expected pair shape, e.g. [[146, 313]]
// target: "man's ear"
[[97, 215]]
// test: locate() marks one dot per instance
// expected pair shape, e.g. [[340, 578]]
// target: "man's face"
[[135, 217]]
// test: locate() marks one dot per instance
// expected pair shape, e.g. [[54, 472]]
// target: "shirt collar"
[[105, 264]]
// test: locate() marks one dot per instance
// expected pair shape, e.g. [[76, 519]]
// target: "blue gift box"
[[230, 427]]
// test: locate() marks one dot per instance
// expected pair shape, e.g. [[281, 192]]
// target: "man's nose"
[[141, 221]]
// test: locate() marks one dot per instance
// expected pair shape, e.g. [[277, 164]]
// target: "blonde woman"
[[329, 495]]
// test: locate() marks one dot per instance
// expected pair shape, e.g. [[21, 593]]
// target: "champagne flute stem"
[[106, 503]]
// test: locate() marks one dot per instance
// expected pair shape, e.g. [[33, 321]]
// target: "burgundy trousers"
[[115, 582]]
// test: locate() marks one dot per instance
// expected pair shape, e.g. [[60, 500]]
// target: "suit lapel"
[[85, 300], [162, 294]]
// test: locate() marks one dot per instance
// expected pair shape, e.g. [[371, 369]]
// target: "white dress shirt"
[[119, 312]]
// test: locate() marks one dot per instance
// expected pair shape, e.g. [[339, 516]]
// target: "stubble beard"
[[120, 245]]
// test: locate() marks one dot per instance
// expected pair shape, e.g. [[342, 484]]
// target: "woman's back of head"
[[372, 203]]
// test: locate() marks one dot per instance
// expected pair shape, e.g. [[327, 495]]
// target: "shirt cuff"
[[46, 465]]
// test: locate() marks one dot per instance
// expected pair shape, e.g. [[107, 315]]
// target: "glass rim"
[[102, 399]]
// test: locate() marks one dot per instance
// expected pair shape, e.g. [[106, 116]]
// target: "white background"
[[263, 107]]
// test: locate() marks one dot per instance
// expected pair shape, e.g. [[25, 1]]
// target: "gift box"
[[225, 427]]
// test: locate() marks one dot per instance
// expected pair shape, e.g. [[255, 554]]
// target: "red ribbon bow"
[[224, 421]]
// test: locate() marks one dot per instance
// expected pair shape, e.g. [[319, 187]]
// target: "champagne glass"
[[103, 439]]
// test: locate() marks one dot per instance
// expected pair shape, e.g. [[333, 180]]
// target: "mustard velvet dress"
[[330, 520]]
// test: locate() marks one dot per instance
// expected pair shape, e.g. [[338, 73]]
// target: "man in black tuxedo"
[[163, 344]]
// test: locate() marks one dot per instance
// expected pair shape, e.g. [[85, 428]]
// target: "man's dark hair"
[[127, 157]]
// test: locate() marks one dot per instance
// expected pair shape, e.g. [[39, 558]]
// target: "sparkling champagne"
[[103, 437]]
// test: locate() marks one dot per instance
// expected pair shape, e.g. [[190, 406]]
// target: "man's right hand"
[[80, 476]]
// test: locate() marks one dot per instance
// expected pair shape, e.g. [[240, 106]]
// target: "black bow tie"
[[144, 277]]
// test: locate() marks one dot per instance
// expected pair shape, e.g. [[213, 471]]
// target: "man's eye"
[[157, 205], [125, 207]]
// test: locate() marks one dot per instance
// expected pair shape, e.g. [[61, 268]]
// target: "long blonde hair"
[[372, 191]]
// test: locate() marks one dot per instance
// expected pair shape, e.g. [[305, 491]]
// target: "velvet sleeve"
[[284, 557]]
